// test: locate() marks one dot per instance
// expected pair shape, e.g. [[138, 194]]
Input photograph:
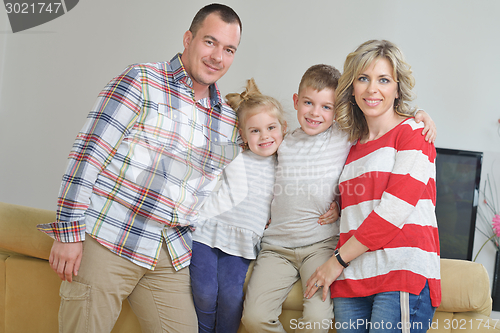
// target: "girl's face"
[[263, 133]]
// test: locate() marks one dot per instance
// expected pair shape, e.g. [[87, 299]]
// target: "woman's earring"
[[396, 105], [352, 100]]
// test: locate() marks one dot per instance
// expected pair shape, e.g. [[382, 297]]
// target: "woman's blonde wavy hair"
[[348, 115], [251, 102]]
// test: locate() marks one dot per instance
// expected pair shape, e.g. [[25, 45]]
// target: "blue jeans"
[[217, 280], [382, 313]]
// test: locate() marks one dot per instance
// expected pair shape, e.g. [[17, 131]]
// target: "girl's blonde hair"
[[348, 114], [251, 102]]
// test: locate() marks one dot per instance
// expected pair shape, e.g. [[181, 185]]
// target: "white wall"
[[50, 75]]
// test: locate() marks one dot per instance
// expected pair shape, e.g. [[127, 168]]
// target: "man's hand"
[[65, 259]]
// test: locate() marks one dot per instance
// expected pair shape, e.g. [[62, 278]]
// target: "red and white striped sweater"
[[388, 193]]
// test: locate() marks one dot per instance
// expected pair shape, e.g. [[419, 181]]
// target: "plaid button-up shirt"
[[146, 158]]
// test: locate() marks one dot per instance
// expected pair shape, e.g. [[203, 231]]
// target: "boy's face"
[[315, 111]]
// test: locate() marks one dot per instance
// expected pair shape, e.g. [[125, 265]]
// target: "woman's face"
[[375, 89]]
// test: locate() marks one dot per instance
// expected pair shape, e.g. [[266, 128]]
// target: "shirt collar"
[[180, 74]]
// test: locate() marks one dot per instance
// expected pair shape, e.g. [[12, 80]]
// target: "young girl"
[[233, 219]]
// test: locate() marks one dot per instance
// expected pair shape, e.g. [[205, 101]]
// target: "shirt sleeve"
[[411, 180], [114, 114]]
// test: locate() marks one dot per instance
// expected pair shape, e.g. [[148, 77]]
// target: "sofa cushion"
[[460, 294]]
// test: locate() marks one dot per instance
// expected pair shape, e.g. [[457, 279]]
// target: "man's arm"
[[117, 108]]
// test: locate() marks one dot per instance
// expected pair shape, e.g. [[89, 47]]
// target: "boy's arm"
[[429, 130]]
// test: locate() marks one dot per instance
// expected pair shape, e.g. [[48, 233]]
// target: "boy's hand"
[[429, 130], [331, 215]]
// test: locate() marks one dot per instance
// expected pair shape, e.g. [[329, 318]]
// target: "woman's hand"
[[323, 277], [331, 215], [429, 130], [325, 274]]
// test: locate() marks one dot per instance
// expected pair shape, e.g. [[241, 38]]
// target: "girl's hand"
[[331, 215], [429, 130]]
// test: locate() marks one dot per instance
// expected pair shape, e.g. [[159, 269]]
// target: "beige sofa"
[[29, 289]]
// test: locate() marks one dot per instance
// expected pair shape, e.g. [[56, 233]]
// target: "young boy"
[[310, 161]]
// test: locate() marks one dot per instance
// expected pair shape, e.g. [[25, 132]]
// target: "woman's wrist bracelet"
[[339, 259]]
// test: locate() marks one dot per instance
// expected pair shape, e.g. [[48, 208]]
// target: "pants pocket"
[[74, 310], [74, 291]]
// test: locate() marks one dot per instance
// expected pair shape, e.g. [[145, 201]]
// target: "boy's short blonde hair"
[[320, 77]]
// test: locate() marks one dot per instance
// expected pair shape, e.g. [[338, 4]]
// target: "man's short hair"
[[226, 14], [320, 77]]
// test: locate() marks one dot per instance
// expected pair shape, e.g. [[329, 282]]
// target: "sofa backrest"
[[19, 233], [465, 287]]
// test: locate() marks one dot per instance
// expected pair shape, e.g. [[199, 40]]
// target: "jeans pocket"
[[415, 301], [421, 310]]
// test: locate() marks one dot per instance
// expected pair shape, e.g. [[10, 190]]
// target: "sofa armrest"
[[18, 232], [465, 287]]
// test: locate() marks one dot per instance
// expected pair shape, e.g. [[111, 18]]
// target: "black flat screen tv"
[[458, 174]]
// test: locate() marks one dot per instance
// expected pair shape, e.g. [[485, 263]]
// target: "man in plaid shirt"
[[147, 157]]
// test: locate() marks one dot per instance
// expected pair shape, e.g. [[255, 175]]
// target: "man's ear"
[[186, 39], [295, 101]]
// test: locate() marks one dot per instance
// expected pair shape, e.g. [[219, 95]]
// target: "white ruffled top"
[[233, 218]]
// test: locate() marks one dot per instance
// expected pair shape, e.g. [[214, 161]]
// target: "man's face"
[[208, 55]]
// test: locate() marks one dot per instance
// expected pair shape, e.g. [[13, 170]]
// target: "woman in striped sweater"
[[386, 266]]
